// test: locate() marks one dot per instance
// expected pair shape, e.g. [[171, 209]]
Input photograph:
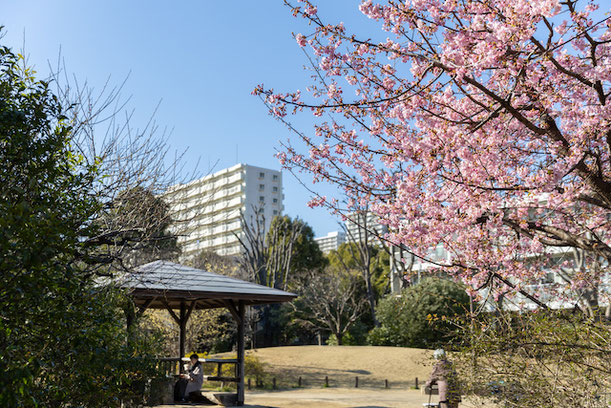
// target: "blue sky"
[[201, 59]]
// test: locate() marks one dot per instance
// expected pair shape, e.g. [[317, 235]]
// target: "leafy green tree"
[[372, 263], [422, 315], [292, 251], [140, 223], [292, 256], [345, 257], [281, 259], [277, 257], [62, 341]]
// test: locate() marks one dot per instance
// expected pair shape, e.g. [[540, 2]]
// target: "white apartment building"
[[207, 211], [364, 225], [551, 289], [331, 241]]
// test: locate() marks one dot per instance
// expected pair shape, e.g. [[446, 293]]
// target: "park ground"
[[339, 398], [373, 365], [342, 364]]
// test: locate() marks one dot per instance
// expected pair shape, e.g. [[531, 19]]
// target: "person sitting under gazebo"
[[191, 381]]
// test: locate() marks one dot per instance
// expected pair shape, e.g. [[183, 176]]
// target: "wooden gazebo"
[[180, 289]]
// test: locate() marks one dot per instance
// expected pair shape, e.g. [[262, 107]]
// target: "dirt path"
[[338, 398], [372, 365]]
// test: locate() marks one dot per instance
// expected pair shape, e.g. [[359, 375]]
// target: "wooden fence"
[[171, 366], [327, 382]]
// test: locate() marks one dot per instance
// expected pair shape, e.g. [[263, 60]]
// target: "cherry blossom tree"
[[481, 125]]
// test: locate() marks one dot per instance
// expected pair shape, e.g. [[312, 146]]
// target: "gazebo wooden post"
[[240, 367], [181, 319], [183, 331]]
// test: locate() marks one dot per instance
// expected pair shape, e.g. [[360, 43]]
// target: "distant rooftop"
[[220, 173], [332, 234]]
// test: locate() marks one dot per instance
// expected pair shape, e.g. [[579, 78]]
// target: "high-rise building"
[[331, 241], [207, 211], [364, 226]]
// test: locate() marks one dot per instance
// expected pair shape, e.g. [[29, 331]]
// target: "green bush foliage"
[[62, 335], [421, 316], [254, 367], [542, 358]]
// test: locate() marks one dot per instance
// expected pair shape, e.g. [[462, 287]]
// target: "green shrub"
[[421, 316], [379, 336], [254, 367], [62, 334]]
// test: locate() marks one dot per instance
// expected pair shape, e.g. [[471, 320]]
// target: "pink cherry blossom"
[[301, 40], [483, 127], [311, 10]]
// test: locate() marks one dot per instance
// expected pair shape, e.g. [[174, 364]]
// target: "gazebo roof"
[[161, 284]]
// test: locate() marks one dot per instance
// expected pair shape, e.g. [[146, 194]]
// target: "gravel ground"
[[344, 397], [338, 398]]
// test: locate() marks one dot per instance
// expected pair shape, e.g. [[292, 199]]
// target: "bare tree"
[[270, 259], [362, 252], [252, 240], [281, 240], [268, 255], [135, 168], [581, 264], [401, 266], [549, 358], [330, 302]]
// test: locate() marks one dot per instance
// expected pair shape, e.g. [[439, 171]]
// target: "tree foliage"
[[213, 262], [282, 258], [347, 257], [211, 331], [423, 315], [276, 257], [292, 248], [368, 260], [141, 223], [481, 126], [62, 341], [543, 359]]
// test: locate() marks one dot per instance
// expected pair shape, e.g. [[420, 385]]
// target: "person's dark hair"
[[195, 356]]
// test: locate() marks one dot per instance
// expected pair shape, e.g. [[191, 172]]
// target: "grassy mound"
[[372, 364]]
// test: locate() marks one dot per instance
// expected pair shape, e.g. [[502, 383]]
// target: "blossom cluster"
[[484, 126]]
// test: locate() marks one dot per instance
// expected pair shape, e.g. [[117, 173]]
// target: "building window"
[[275, 212], [261, 199], [261, 175], [261, 187], [275, 189], [549, 277], [275, 177], [275, 200]]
